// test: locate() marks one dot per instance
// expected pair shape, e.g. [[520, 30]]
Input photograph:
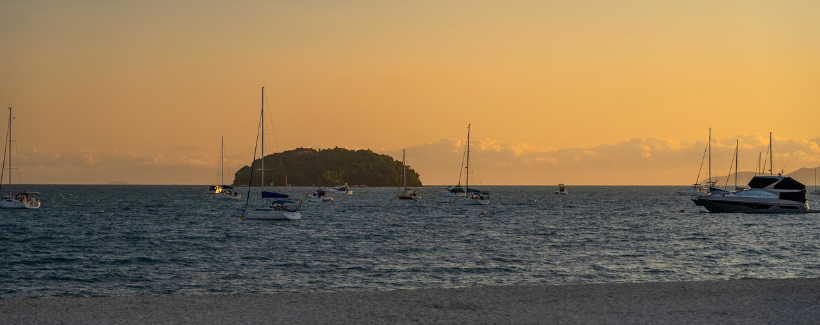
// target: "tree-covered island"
[[328, 167]]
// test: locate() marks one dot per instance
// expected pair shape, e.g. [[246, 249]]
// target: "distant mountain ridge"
[[328, 167], [802, 175]]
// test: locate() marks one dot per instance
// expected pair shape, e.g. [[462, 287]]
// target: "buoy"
[[101, 211], [681, 211], [482, 213], [152, 203]]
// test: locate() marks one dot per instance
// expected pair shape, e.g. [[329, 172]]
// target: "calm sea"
[[135, 240]]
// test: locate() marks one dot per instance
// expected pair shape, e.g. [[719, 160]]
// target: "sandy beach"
[[792, 301]]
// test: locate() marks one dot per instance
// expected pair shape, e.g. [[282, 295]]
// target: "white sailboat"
[[404, 193], [473, 197], [224, 191], [816, 191], [279, 209], [19, 200]]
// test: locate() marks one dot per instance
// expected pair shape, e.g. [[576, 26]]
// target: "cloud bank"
[[638, 161]]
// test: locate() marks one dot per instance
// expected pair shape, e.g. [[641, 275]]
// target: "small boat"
[[474, 197], [341, 189], [19, 200], [278, 209], [694, 190], [816, 191], [562, 190], [227, 192], [319, 196], [224, 191], [403, 192], [452, 191]]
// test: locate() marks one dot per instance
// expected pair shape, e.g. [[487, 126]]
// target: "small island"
[[328, 167]]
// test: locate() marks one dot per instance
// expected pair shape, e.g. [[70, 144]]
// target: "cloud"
[[638, 161], [100, 167], [633, 162]]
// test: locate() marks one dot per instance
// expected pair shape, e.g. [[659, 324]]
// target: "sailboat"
[[224, 191], [404, 193], [816, 191], [473, 197], [281, 208], [708, 187], [20, 200]]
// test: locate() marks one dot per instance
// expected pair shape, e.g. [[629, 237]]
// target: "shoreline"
[[791, 301]]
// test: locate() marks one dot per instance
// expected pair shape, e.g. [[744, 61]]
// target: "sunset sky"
[[576, 92]]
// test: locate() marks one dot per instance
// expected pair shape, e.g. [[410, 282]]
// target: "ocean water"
[[134, 240]]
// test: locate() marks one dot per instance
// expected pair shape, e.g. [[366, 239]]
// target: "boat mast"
[[771, 156], [403, 169], [737, 145], [759, 159], [263, 138], [403, 183], [710, 158], [467, 169], [222, 163], [9, 137]]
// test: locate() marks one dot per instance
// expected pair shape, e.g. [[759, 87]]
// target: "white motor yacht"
[[562, 190]]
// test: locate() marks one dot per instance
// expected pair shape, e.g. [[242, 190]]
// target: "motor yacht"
[[766, 194]]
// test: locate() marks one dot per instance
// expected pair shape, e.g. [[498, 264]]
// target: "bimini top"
[[776, 183]]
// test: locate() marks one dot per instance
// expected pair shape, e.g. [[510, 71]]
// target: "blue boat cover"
[[274, 195], [282, 201]]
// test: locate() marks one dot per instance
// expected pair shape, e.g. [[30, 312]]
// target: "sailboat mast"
[[9, 137], [403, 168], [759, 157], [263, 137], [737, 145], [710, 157], [467, 169], [222, 162], [771, 156]]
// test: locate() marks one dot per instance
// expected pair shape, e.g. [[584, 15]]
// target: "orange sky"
[[141, 91]]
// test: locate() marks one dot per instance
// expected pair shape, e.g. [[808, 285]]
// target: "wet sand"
[[790, 301]]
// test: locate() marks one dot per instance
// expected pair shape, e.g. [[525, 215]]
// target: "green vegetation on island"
[[328, 167]]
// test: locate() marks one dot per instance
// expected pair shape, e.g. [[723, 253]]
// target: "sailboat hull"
[[10, 203], [235, 196], [472, 201], [267, 214]]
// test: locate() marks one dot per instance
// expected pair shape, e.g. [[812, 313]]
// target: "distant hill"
[[802, 175], [118, 183], [328, 167]]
